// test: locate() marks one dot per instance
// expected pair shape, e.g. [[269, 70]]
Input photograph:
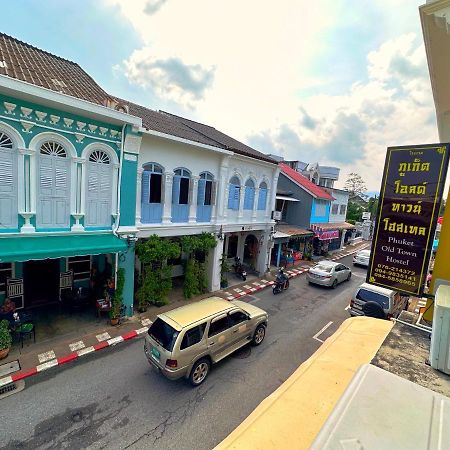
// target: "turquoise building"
[[68, 169]]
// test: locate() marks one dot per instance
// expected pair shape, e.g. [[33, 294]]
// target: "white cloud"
[[246, 68]]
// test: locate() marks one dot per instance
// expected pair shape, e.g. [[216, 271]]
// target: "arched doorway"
[[250, 251]]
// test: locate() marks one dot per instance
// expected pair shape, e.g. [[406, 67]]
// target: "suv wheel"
[[260, 334], [199, 372]]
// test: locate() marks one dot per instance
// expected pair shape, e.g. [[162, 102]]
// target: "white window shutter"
[[99, 193], [8, 188]]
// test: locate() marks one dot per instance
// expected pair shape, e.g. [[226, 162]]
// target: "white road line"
[[85, 351], [321, 331], [347, 308], [76, 346], [47, 356], [103, 337]]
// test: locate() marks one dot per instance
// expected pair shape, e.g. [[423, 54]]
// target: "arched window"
[[152, 182], [8, 182], [249, 197], [53, 186], [98, 189], [262, 197], [180, 195], [234, 191], [205, 197]]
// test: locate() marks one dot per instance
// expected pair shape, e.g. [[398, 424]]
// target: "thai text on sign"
[[410, 197]]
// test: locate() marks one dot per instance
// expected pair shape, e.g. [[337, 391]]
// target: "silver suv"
[[186, 341]]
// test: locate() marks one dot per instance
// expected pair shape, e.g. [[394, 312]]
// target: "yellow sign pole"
[[441, 269]]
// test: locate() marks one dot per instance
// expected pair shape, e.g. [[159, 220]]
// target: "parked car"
[[375, 301], [362, 258], [328, 273], [186, 341]]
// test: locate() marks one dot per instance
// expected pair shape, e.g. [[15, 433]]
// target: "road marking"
[[103, 337], [321, 331], [76, 346], [43, 357], [347, 308], [146, 322]]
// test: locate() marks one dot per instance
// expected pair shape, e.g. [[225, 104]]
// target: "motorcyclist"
[[281, 277]]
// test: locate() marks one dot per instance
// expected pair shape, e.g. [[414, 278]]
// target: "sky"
[[334, 82]]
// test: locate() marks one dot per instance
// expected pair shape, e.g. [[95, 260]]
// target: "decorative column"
[[26, 191], [271, 195], [140, 171], [241, 202], [343, 238], [167, 195], [222, 190], [213, 266], [193, 194], [255, 204], [115, 194], [80, 192]]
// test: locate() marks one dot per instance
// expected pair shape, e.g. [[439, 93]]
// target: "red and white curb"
[[70, 357], [292, 273]]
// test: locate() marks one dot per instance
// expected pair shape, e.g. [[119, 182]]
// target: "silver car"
[[186, 341], [328, 273], [362, 258]]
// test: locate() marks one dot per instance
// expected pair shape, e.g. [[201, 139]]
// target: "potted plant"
[[5, 339], [116, 303]]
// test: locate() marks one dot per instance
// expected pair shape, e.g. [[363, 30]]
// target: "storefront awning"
[[332, 226], [286, 198], [292, 231], [24, 248]]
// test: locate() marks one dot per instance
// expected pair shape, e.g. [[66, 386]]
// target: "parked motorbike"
[[239, 269], [281, 282]]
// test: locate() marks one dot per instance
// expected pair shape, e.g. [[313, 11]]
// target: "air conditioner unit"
[[276, 215], [440, 336]]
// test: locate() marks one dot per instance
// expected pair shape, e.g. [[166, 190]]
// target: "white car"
[[328, 273], [362, 258]]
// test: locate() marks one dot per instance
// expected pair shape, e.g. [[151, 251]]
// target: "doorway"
[[41, 282], [250, 251]]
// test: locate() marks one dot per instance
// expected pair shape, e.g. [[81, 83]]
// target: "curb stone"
[[21, 375]]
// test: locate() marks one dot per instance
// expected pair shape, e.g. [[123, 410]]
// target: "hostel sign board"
[[410, 196]]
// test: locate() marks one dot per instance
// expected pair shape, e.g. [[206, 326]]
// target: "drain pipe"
[[119, 190]]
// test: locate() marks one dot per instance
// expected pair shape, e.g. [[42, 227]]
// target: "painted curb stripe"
[[130, 335], [115, 340], [101, 345], [6, 380], [47, 365], [68, 358], [85, 351]]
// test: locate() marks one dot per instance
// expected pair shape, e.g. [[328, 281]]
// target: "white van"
[[375, 301]]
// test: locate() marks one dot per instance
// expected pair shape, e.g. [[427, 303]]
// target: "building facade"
[[64, 163]]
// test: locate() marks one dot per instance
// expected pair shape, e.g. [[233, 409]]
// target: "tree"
[[373, 207], [354, 212], [355, 185]]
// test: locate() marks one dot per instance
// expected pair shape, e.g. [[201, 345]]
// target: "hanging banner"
[[410, 196], [326, 235]]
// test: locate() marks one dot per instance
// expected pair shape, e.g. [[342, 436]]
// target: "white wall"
[[341, 199]]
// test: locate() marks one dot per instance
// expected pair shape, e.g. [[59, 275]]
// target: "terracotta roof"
[[309, 186], [33, 65], [332, 226], [292, 230]]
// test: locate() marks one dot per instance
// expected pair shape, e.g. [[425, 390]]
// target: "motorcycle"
[[239, 269], [281, 283]]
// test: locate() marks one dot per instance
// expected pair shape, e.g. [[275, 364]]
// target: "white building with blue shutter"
[[192, 179]]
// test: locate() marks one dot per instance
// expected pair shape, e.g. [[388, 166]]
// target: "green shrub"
[[5, 335]]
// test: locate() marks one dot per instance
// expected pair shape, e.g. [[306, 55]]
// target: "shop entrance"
[[41, 282], [250, 250]]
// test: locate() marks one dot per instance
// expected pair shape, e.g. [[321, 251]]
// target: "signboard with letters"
[[366, 215], [411, 193], [326, 235]]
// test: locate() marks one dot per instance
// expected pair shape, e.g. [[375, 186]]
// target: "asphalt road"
[[115, 400]]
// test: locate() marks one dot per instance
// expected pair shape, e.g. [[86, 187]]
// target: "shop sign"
[[411, 193], [326, 235]]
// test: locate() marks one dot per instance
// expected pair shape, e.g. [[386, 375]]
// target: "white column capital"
[[26, 151], [78, 160], [140, 171]]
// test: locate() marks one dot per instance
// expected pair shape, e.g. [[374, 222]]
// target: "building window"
[[181, 182], [99, 190], [234, 192], [152, 183], [321, 207], [335, 209], [81, 267], [205, 189], [249, 197], [5, 273], [54, 186], [343, 209], [8, 183], [262, 197]]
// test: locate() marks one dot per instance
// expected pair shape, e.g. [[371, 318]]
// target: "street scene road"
[[116, 400]]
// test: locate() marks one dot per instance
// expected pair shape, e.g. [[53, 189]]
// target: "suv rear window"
[[163, 333], [370, 296], [193, 336]]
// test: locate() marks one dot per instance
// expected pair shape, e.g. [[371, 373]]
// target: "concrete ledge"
[[292, 416]]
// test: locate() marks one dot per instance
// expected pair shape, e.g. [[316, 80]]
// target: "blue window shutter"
[[145, 187], [176, 190], [249, 197], [262, 199], [237, 194], [230, 196], [201, 192]]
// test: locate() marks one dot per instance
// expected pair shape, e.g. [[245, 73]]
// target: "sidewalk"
[[63, 349]]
